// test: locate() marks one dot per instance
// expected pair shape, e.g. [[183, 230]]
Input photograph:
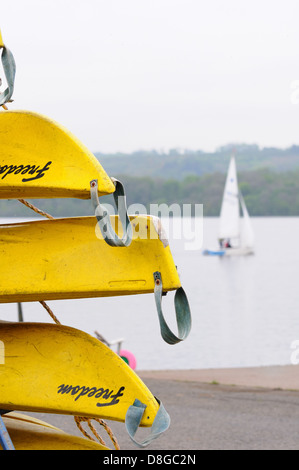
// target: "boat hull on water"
[[239, 251], [229, 252], [213, 252]]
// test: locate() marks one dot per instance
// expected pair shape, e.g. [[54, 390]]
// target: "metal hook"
[[9, 67], [103, 217]]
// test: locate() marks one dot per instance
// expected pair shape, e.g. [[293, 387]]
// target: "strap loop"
[[133, 418], [182, 310], [9, 67], [103, 217]]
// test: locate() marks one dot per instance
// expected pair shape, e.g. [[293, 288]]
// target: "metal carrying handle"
[[103, 217], [9, 67], [182, 311], [133, 418]]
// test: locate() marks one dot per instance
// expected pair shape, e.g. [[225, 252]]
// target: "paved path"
[[284, 377], [261, 414]]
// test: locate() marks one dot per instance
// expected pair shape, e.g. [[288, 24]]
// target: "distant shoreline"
[[266, 193], [274, 377]]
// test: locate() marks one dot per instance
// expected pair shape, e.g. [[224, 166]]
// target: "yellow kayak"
[[29, 433], [68, 258], [58, 369], [39, 158]]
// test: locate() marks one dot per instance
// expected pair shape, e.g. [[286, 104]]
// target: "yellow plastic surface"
[[58, 369], [41, 159], [68, 258], [28, 433], [1, 40]]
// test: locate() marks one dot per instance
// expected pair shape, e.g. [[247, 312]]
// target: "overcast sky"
[[125, 75]]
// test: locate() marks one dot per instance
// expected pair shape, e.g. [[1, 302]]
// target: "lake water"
[[245, 310]]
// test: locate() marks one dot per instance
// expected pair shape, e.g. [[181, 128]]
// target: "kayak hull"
[[243, 251], [29, 433], [58, 369], [68, 259], [39, 158]]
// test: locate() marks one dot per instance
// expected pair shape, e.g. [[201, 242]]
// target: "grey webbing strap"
[[133, 418], [5, 439], [182, 310], [9, 67], [103, 217]]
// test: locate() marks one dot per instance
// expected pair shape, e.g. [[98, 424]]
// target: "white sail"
[[247, 235], [240, 235], [230, 208]]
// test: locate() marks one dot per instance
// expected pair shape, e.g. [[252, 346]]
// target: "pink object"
[[128, 357]]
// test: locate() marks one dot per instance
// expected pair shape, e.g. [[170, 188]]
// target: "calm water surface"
[[245, 310]]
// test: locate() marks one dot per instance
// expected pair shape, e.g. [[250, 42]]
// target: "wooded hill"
[[268, 179], [178, 164]]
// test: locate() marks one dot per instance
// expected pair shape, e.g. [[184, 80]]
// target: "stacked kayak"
[[52, 368]]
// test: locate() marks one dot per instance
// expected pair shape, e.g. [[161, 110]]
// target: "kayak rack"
[[41, 159]]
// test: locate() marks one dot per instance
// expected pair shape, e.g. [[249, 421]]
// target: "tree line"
[[266, 193], [177, 164]]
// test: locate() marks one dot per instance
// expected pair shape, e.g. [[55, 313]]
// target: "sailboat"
[[235, 233]]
